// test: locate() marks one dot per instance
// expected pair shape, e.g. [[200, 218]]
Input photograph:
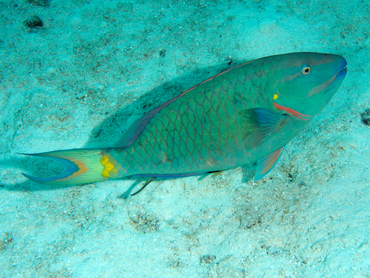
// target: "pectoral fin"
[[259, 123]]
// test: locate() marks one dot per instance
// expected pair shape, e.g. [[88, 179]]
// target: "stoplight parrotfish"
[[242, 116]]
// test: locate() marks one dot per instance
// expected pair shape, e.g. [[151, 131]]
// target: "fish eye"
[[305, 69]]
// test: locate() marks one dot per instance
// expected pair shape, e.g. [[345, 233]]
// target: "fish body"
[[242, 116]]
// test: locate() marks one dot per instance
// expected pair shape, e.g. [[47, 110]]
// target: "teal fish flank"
[[239, 117]]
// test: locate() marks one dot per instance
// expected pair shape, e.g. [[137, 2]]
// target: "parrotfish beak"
[[339, 72], [342, 69]]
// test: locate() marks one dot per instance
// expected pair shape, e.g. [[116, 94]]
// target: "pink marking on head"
[[320, 88], [291, 111]]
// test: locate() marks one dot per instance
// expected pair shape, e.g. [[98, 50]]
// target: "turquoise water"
[[94, 67]]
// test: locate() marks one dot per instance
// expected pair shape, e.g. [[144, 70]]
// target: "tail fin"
[[80, 166]]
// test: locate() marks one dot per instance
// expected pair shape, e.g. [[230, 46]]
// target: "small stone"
[[162, 53], [33, 21], [42, 3], [366, 117], [207, 259]]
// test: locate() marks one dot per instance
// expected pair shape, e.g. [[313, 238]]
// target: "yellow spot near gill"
[[275, 96], [109, 169]]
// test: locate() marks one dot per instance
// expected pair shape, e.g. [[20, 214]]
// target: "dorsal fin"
[[137, 127]]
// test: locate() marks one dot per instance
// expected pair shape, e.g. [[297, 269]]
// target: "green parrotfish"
[[241, 117]]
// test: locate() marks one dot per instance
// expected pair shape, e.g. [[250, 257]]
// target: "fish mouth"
[[337, 78], [342, 73], [343, 70]]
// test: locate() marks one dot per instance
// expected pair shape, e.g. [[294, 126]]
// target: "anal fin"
[[215, 174]]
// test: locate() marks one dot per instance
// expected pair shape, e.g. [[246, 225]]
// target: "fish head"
[[305, 82]]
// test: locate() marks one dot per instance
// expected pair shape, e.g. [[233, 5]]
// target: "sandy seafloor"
[[97, 66]]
